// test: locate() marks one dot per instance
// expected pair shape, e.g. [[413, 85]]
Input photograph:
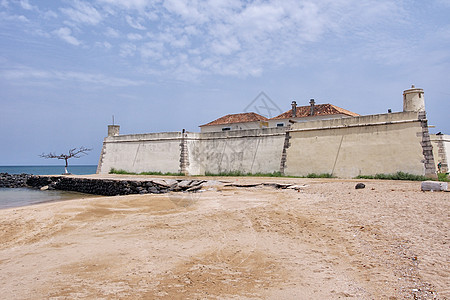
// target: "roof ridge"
[[305, 109], [234, 118]]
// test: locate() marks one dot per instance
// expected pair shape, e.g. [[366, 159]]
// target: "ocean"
[[49, 170], [24, 196]]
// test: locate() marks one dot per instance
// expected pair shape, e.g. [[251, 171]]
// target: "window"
[[280, 124], [226, 128]]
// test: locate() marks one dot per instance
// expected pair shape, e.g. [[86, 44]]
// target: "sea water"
[[49, 170], [27, 196], [16, 197]]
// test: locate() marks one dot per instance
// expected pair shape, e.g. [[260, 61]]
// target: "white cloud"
[[128, 4], [135, 23], [110, 32], [27, 73], [105, 45], [188, 11], [240, 37], [230, 37], [443, 2], [83, 12], [152, 50], [226, 46], [5, 17], [134, 36], [26, 5], [50, 14], [66, 34], [127, 50]]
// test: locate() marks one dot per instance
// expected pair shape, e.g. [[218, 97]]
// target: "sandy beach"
[[325, 240]]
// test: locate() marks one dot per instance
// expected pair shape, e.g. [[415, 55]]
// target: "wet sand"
[[324, 241]]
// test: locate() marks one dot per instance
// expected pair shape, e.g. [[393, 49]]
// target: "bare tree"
[[75, 152]]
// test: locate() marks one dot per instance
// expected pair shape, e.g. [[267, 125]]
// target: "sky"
[[67, 67]]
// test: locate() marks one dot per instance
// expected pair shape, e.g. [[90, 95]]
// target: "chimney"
[[113, 130], [312, 102], [294, 109]]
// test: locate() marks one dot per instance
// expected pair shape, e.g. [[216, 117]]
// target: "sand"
[[324, 241]]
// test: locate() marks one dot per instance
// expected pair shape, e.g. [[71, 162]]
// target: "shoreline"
[[324, 240]]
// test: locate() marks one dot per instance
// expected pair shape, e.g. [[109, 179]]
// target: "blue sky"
[[67, 66]]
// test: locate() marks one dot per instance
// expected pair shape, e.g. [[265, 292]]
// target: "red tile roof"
[[237, 118], [319, 110]]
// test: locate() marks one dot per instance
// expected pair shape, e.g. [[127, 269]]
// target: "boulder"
[[360, 186], [434, 186]]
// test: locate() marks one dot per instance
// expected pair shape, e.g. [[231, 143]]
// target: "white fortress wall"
[[366, 145], [249, 151], [141, 152], [346, 147]]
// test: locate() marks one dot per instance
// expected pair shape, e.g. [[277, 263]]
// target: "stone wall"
[[114, 187], [346, 147], [157, 152], [194, 153], [249, 151], [13, 180], [365, 145]]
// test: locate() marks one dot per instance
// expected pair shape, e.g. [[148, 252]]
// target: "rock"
[[360, 186], [13, 180], [167, 183], [153, 190], [194, 188], [434, 186], [44, 188], [184, 184], [296, 187]]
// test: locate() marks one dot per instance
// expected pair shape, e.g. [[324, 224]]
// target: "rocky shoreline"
[[13, 180], [104, 187]]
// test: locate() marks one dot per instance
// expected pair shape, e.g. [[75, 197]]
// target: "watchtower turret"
[[413, 99]]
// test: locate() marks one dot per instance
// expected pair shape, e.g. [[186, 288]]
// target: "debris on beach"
[[360, 186]]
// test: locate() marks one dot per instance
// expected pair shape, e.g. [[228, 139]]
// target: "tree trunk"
[[67, 164]]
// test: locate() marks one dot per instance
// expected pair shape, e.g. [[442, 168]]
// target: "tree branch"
[[74, 152]]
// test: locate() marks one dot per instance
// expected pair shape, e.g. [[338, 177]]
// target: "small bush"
[[322, 175], [123, 172], [120, 171], [240, 174], [443, 177]]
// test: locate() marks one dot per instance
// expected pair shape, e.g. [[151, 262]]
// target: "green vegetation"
[[274, 174], [396, 176], [123, 172], [224, 174], [323, 175], [443, 177], [240, 174]]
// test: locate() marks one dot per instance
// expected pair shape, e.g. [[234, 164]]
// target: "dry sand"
[[326, 241]]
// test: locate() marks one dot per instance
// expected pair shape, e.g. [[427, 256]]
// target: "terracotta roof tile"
[[319, 110], [237, 118]]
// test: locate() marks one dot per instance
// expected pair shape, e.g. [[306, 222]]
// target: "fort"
[[319, 138]]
